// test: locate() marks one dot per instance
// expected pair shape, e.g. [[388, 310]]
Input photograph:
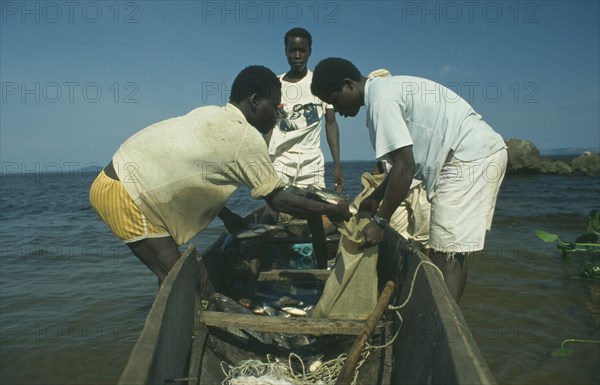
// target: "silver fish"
[[256, 230], [316, 193], [294, 311], [320, 194], [328, 195], [225, 304], [270, 311], [259, 310]]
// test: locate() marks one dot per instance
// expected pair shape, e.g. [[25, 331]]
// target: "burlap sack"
[[351, 290]]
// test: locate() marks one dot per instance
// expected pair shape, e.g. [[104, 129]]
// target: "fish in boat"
[[226, 304]]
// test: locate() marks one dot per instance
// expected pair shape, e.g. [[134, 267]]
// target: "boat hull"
[[185, 341]]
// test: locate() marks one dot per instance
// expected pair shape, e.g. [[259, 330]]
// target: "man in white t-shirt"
[[430, 133], [295, 143], [167, 182]]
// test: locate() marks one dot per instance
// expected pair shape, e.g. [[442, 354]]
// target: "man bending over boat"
[[430, 133], [167, 182]]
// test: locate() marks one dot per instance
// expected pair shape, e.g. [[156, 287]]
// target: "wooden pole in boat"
[[347, 373]]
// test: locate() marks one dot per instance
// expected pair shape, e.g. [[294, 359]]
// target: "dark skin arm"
[[333, 140], [233, 222], [388, 196], [303, 208]]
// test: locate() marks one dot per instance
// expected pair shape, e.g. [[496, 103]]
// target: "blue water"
[[73, 299]]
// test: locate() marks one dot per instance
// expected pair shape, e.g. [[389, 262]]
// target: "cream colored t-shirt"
[[180, 172]]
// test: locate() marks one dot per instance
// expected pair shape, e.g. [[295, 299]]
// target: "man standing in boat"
[[295, 143], [168, 181], [429, 132]]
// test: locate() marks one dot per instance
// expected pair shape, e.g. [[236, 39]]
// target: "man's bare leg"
[[454, 268], [158, 254]]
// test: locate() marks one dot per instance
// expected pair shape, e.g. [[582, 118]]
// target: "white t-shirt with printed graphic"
[[300, 132]]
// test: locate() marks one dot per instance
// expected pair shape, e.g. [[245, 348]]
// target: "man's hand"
[[369, 204], [341, 212], [373, 234], [338, 180]]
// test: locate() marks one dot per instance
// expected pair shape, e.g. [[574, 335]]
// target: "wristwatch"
[[380, 221]]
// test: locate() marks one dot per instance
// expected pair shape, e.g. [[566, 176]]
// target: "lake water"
[[73, 299]]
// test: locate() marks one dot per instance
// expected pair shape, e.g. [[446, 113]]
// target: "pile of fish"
[[284, 307]]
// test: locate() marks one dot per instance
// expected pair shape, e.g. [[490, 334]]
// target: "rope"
[[274, 369], [408, 297]]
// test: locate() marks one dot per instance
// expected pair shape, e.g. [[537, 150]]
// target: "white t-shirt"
[[406, 110], [300, 132], [180, 172]]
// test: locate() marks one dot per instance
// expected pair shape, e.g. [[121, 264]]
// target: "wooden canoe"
[[184, 341]]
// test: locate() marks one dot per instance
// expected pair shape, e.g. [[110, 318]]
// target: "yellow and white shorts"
[[116, 208]]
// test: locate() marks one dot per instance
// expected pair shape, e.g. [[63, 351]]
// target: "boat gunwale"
[[443, 351]]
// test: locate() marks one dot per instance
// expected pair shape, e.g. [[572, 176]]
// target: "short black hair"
[[298, 32], [329, 75], [254, 79]]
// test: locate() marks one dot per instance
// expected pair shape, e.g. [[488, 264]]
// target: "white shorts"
[[301, 169], [464, 201]]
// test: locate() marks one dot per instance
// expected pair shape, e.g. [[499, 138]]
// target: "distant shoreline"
[[566, 154]]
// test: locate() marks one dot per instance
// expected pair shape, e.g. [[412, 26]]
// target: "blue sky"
[[78, 78]]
